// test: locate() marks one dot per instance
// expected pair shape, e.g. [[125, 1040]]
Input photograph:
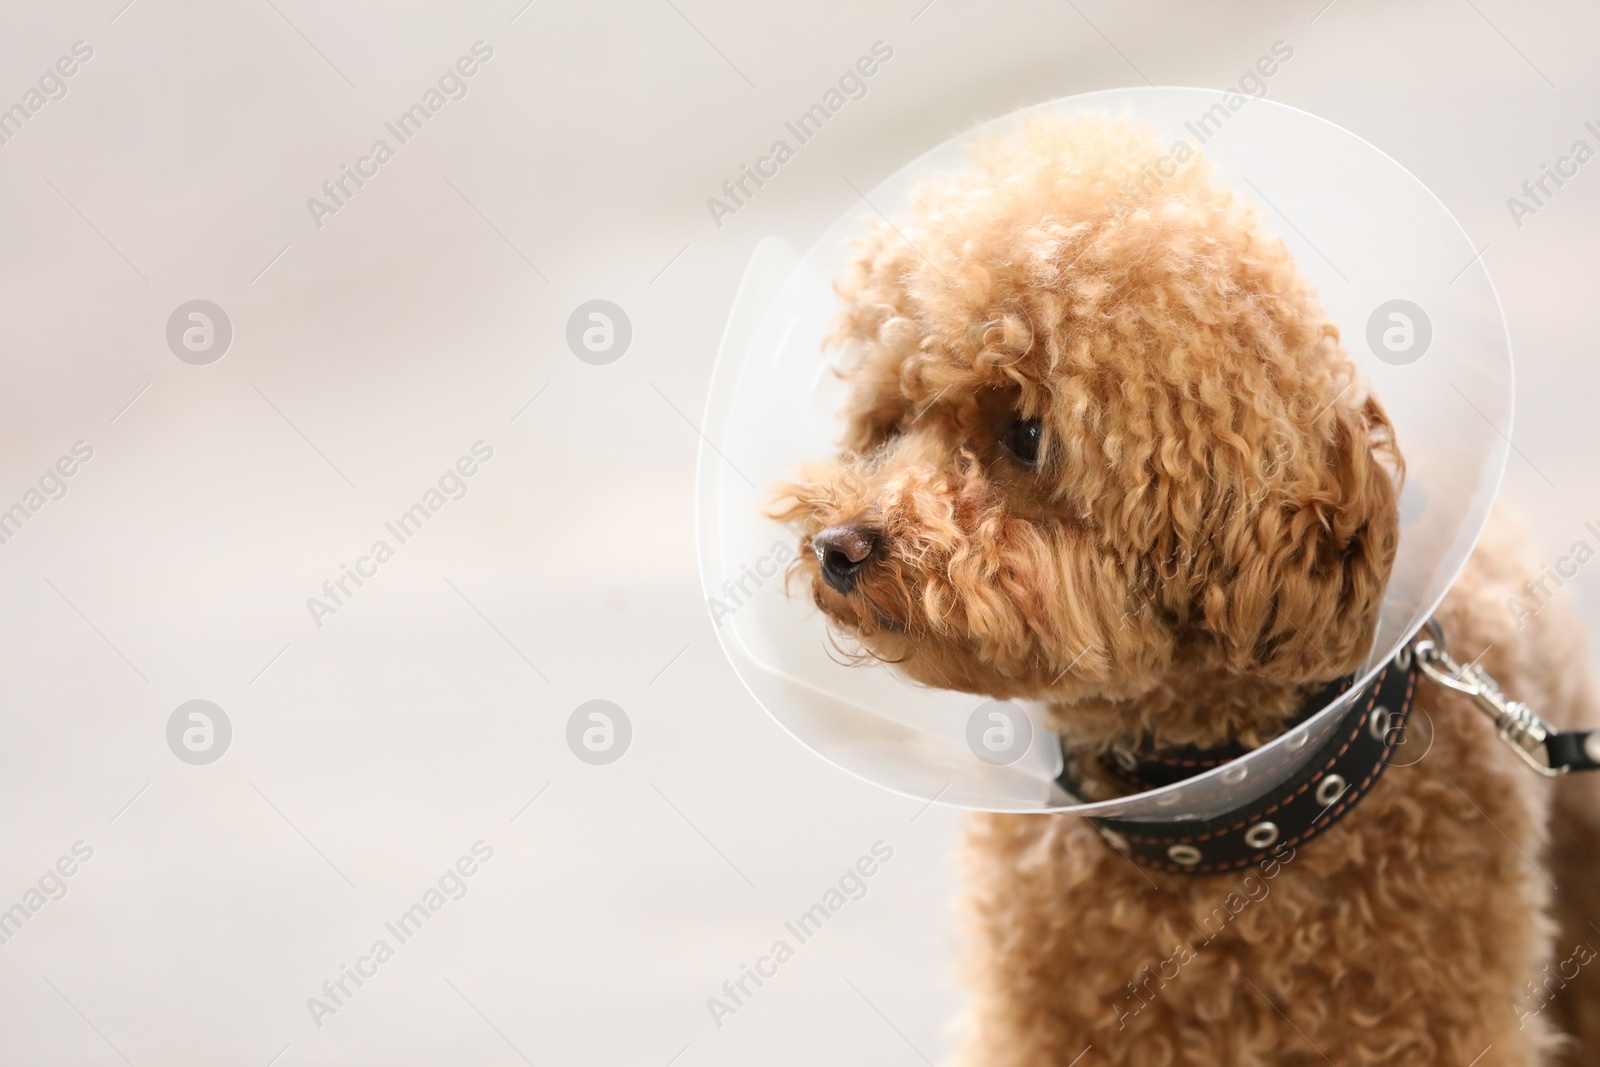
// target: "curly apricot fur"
[[1207, 535]]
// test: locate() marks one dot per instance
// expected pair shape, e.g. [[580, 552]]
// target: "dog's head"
[[1098, 431]]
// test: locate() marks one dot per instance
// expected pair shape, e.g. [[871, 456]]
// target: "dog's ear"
[[1300, 557]]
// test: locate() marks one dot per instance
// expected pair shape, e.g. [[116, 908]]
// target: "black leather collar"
[[1330, 784], [1151, 768]]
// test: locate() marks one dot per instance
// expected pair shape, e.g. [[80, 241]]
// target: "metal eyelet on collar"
[[1236, 774], [1124, 759], [1184, 855], [1378, 723], [1117, 841], [1299, 739], [1330, 789], [1261, 835]]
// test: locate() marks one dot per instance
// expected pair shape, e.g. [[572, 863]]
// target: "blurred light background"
[[374, 346]]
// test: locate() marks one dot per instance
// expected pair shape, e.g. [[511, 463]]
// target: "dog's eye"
[[1022, 438]]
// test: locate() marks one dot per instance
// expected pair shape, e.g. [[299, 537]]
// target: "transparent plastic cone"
[[1416, 310]]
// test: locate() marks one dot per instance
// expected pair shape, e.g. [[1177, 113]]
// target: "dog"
[[1110, 454]]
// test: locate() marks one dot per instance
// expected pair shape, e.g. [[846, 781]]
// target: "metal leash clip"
[[1523, 731]]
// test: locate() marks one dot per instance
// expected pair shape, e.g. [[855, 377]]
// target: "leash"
[[1334, 778], [1523, 731]]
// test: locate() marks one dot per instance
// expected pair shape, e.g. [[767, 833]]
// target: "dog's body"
[[1418, 931], [1112, 456]]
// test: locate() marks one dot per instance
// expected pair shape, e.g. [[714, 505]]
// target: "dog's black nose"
[[843, 551]]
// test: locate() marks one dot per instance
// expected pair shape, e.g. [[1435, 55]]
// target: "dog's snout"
[[843, 551]]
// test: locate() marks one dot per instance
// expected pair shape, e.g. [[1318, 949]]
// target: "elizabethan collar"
[[1393, 269]]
